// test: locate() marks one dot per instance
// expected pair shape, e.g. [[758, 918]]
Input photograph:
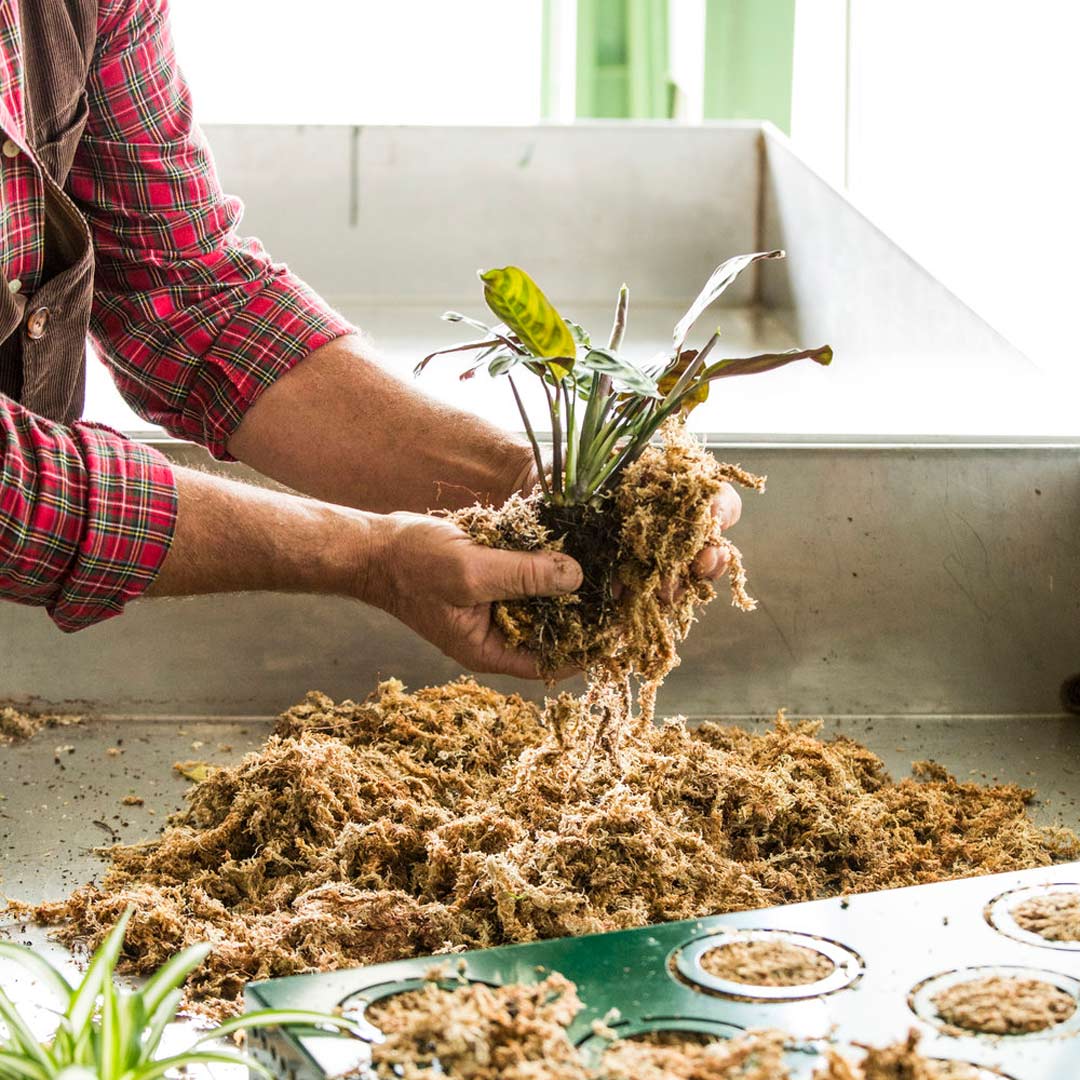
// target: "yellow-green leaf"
[[694, 397], [516, 299], [195, 771]]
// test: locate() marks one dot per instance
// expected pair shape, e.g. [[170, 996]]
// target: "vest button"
[[35, 324], [14, 285], [10, 148]]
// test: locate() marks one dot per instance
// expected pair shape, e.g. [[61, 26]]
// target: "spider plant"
[[109, 1033], [604, 409]]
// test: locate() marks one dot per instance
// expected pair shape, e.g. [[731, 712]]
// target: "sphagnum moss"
[[455, 817]]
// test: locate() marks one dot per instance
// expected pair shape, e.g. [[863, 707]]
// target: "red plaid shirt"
[[193, 320]]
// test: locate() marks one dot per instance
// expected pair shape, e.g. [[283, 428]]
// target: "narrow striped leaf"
[[275, 1018], [21, 1038], [519, 302], [456, 348], [501, 331], [502, 362], [754, 365], [159, 1020], [108, 1042], [579, 333], [101, 968], [39, 967], [154, 1069], [720, 279], [607, 362], [170, 975], [17, 1065]]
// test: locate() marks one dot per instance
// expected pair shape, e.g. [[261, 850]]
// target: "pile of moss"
[[456, 817]]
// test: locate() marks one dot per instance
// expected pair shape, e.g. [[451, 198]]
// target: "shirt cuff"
[[284, 322], [130, 516]]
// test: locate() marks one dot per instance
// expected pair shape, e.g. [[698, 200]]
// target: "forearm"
[[341, 428], [233, 537]]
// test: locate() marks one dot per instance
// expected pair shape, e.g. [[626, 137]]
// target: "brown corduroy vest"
[[43, 336]]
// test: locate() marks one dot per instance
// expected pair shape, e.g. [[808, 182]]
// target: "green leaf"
[[170, 975], [754, 365], [154, 1069], [606, 362], [502, 362], [110, 1054], [102, 965], [38, 967], [720, 279], [18, 1065], [19, 1033], [163, 1015], [501, 331], [518, 301], [276, 1018], [579, 334], [694, 395]]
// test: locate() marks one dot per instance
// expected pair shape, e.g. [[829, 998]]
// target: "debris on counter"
[[195, 771], [456, 817], [18, 726]]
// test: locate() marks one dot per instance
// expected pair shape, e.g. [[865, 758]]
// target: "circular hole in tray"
[[1054, 908], [659, 1030], [356, 1005], [838, 967], [924, 1001]]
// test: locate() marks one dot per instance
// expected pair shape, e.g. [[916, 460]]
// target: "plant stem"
[[570, 398], [595, 410], [532, 439], [622, 306], [556, 443]]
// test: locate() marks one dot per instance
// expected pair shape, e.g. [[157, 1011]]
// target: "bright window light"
[[338, 62]]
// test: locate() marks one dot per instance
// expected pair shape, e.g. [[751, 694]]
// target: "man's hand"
[[233, 537], [430, 575], [712, 562]]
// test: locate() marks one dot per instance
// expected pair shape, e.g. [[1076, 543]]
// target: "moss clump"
[[637, 548]]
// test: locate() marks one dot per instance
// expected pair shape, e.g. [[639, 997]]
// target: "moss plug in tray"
[[880, 960]]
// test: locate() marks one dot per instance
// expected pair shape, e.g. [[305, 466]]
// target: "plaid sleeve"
[[86, 517], [194, 320]]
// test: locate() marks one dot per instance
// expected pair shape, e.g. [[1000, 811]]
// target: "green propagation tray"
[[892, 951]]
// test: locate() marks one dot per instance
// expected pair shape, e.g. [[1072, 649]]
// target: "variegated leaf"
[[720, 279], [621, 370], [518, 301]]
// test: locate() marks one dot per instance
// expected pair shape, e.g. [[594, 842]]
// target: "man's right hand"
[[233, 537], [430, 575]]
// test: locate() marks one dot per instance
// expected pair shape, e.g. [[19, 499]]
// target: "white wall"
[[961, 140]]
